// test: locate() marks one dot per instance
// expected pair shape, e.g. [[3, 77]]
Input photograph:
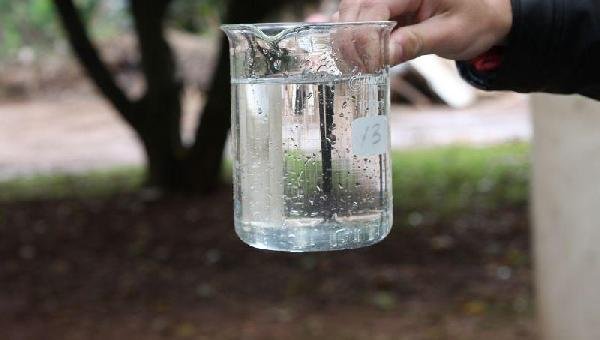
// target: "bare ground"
[[121, 267]]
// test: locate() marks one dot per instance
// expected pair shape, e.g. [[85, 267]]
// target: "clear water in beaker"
[[310, 137]]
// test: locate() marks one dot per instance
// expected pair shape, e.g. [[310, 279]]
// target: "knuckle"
[[371, 4], [367, 4], [415, 42], [347, 4]]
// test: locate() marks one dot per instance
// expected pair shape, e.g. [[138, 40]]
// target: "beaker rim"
[[287, 25]]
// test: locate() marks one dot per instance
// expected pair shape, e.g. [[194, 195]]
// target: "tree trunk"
[[159, 110], [206, 156], [205, 161], [156, 117]]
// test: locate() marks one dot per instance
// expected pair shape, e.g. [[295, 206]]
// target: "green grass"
[[441, 183], [95, 183], [429, 184]]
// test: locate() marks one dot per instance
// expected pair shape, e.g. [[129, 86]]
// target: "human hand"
[[453, 29]]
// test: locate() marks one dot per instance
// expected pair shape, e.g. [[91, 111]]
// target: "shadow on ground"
[[121, 267]]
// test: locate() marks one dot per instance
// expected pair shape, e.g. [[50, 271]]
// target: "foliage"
[[32, 23], [25, 22], [196, 15]]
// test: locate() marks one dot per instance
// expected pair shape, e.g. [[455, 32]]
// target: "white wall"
[[566, 214]]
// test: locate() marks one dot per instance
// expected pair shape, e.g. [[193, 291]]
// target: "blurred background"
[[116, 203]]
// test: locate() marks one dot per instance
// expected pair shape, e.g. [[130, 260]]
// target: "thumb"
[[413, 41]]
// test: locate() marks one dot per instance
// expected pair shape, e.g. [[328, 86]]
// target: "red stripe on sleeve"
[[489, 61]]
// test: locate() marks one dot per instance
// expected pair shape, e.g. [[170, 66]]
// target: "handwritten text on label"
[[370, 136]]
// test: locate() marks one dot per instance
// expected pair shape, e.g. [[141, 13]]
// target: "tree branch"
[[162, 99], [89, 57], [215, 120], [157, 58]]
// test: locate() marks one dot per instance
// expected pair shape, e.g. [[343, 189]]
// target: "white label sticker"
[[370, 136]]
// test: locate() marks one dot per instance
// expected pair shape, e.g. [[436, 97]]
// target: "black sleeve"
[[553, 46]]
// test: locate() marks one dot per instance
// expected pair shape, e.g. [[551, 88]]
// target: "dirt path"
[[63, 135], [496, 120], [81, 133]]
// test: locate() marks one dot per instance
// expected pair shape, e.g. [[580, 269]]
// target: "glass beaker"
[[310, 134]]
